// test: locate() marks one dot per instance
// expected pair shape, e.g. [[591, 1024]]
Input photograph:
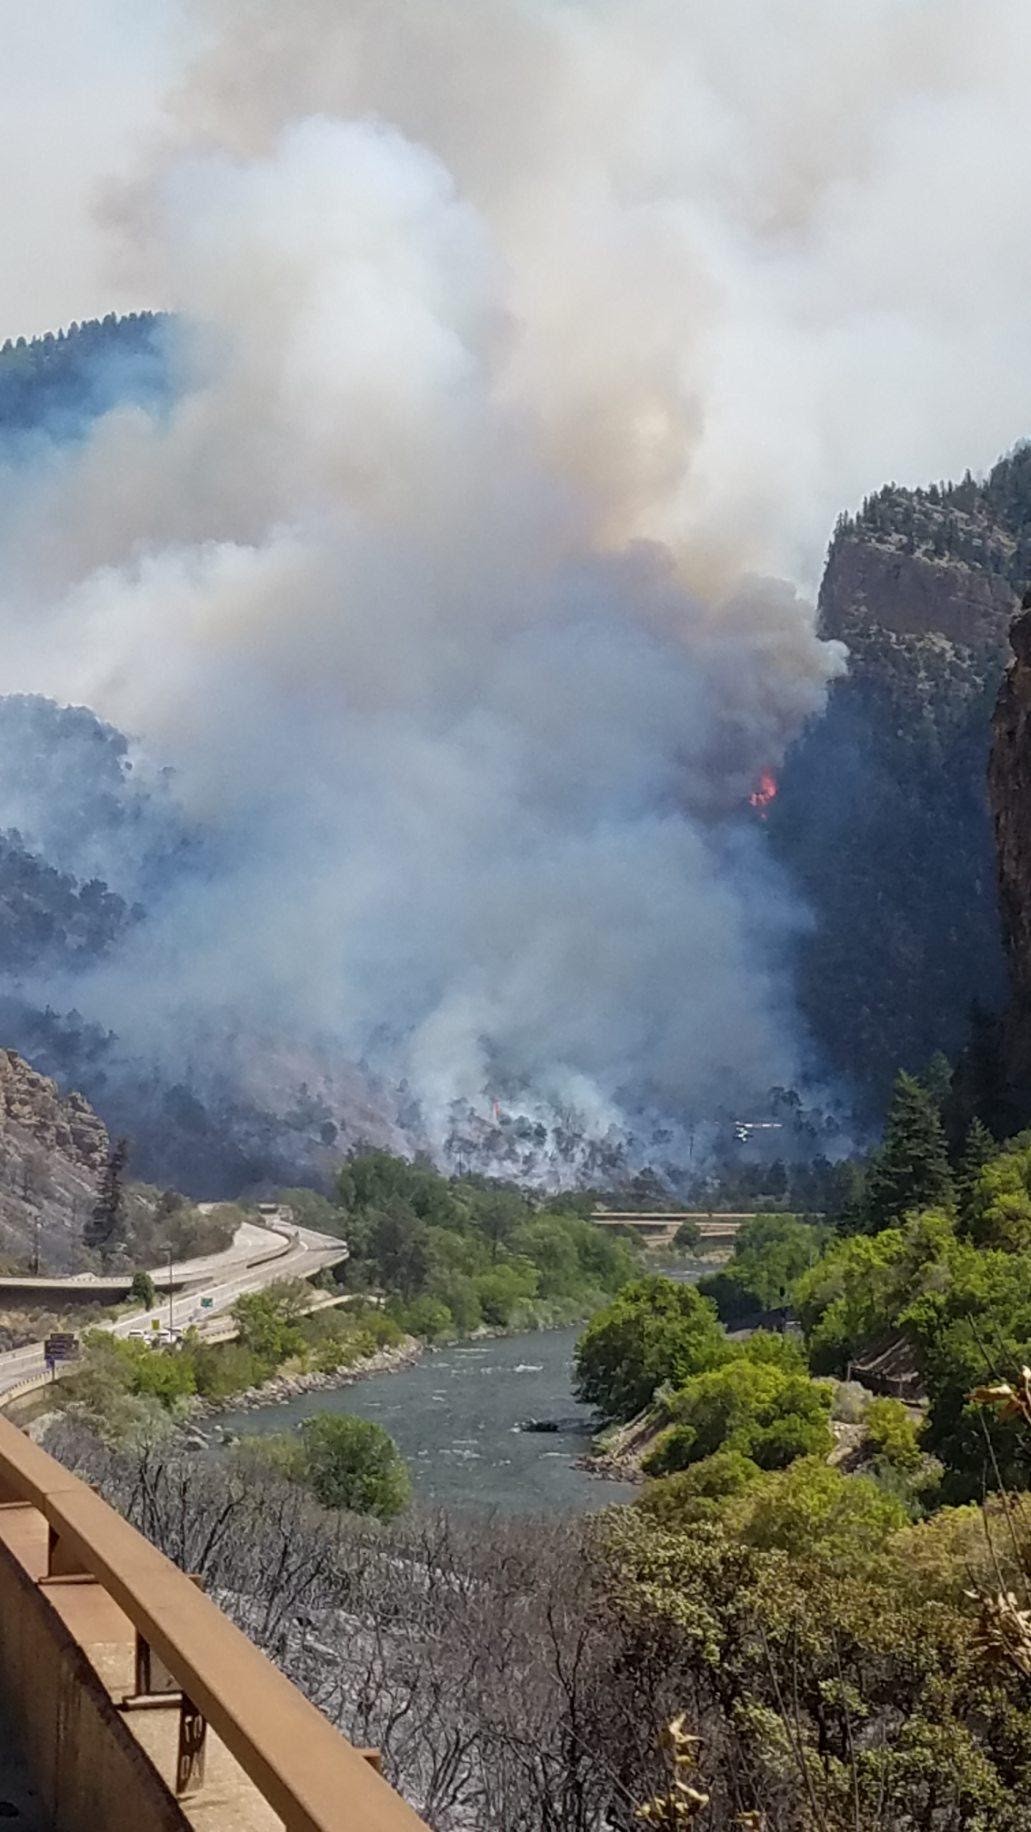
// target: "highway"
[[260, 1255]]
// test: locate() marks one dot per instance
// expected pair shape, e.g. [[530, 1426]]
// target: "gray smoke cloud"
[[523, 344]]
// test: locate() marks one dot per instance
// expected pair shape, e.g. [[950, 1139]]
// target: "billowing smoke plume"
[[442, 585]]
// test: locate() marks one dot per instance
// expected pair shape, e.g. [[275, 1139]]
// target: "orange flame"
[[764, 792]]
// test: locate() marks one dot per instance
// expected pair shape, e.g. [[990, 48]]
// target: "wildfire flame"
[[764, 792]]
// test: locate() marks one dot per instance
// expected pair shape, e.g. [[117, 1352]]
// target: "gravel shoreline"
[[280, 1389]]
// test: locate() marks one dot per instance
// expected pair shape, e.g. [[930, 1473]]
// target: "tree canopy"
[[658, 1330]]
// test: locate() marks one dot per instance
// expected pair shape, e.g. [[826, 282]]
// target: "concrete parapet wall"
[[90, 1772], [222, 1743]]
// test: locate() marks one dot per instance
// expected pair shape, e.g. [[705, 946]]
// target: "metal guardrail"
[[307, 1772]]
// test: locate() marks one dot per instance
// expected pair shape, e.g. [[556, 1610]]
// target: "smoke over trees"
[[443, 586]]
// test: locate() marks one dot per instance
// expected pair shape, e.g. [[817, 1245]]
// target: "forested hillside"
[[881, 822], [882, 819], [58, 383]]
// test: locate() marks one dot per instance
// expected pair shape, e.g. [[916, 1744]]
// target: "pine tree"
[[937, 1079], [106, 1225], [978, 1148], [911, 1170]]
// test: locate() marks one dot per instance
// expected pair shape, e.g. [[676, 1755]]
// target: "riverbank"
[[620, 1450], [280, 1389], [457, 1417]]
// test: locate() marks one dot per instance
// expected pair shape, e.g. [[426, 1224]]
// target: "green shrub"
[[143, 1290], [657, 1330], [269, 1321], [673, 1450], [768, 1415], [698, 1493], [384, 1330], [427, 1318], [893, 1434], [769, 1348], [810, 1510], [500, 1290], [458, 1291], [222, 1370], [353, 1463], [158, 1373]]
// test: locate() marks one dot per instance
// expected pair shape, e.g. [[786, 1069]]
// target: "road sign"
[[155, 1322], [63, 1346]]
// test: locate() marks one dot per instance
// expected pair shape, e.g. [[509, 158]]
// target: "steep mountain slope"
[[881, 823], [1010, 787], [883, 819], [57, 384], [52, 1150]]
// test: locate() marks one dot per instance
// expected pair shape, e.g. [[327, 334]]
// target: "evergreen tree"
[[981, 1086], [978, 1148], [911, 1170], [105, 1228], [937, 1079]]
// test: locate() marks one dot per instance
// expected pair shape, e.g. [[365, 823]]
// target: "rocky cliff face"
[[52, 1149], [1010, 791], [883, 820]]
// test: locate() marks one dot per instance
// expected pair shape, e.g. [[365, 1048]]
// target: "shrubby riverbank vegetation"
[[920, 1284], [826, 1652], [431, 1259], [825, 1577], [128, 1388], [452, 1255]]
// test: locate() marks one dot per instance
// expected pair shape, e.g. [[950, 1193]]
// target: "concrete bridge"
[[658, 1226], [138, 1705]]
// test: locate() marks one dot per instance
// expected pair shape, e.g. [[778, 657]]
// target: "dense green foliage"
[[143, 1290], [767, 1415], [893, 1434], [452, 1254], [353, 1463], [659, 1347], [770, 1254], [911, 1170], [128, 1385], [657, 1332], [845, 1640], [925, 1287], [57, 384]]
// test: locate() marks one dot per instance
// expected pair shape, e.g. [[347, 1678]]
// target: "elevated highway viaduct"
[[659, 1226]]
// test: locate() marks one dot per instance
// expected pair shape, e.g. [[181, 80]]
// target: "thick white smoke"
[[513, 336]]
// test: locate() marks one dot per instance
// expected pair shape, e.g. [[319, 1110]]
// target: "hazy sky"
[[855, 180], [80, 82]]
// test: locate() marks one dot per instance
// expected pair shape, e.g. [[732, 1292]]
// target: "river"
[[454, 1416]]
